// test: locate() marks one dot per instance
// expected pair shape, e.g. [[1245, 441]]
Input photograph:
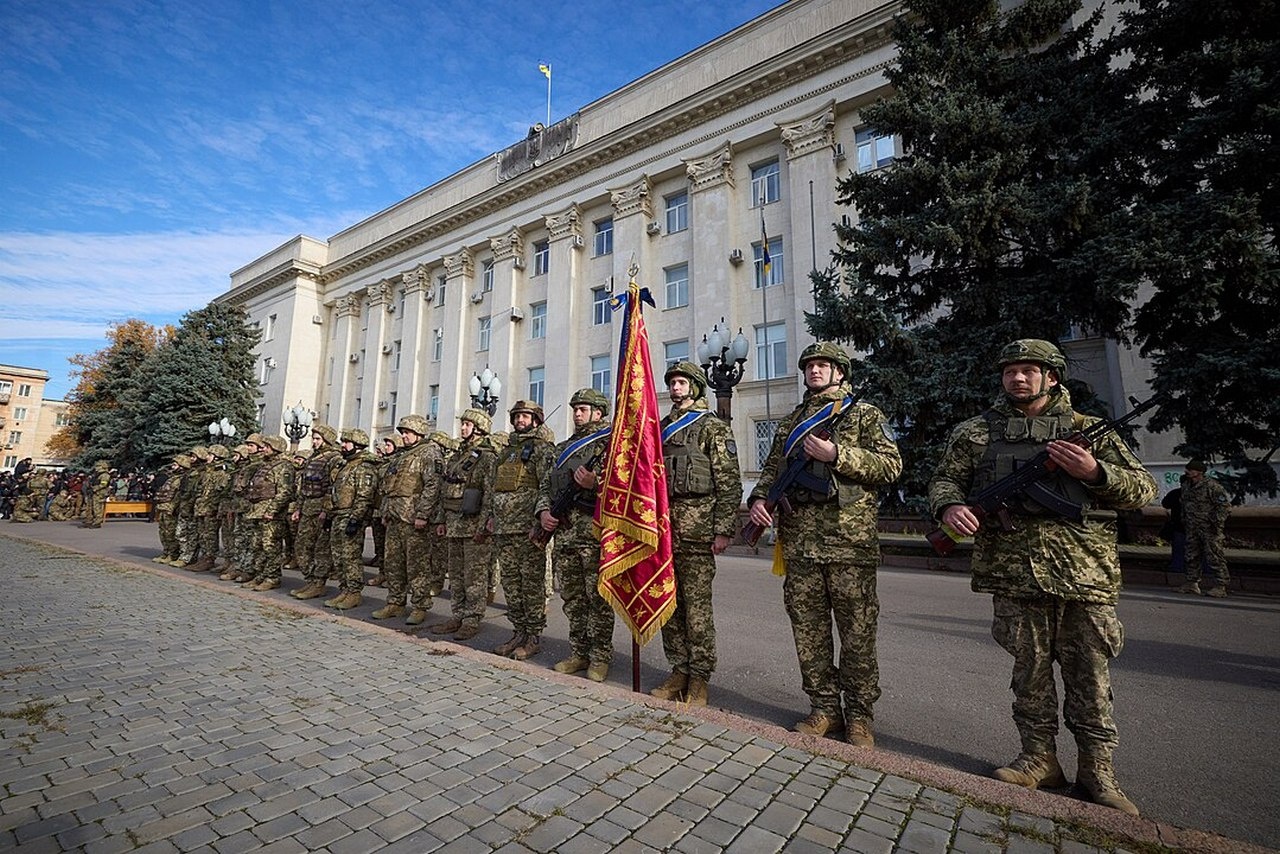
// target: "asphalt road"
[[1195, 687]]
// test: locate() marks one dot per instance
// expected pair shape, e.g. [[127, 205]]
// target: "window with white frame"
[[402, 300], [766, 184], [537, 384], [601, 310], [771, 351], [875, 149], [6, 388], [677, 212], [486, 276], [269, 331], [482, 336], [677, 285], [433, 402], [538, 320], [24, 390], [398, 349], [675, 351], [19, 413], [441, 281], [437, 344], [764, 433], [394, 403], [62, 419], [10, 461], [774, 275], [15, 437], [541, 257], [264, 371], [262, 414], [358, 406], [604, 237], [601, 375]]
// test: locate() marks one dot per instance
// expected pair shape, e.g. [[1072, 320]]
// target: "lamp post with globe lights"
[[221, 431], [723, 359], [297, 423], [484, 388]]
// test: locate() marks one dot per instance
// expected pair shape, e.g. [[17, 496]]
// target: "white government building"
[[509, 262]]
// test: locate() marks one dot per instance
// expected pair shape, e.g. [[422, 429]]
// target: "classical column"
[[343, 392], [568, 304], [459, 345], [373, 390], [716, 285], [632, 213], [414, 329], [505, 330], [810, 145]]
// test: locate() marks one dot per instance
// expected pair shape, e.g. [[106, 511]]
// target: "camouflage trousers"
[[425, 566], [209, 527], [405, 564], [590, 616], [1082, 637], [1210, 547], [814, 592], [379, 541], [269, 548], [311, 555], [348, 554], [524, 582], [97, 511], [167, 526], [469, 566], [689, 637], [188, 534], [25, 509], [242, 539]]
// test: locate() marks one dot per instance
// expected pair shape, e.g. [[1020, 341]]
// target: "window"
[[264, 371], [395, 362], [6, 388], [765, 431], [541, 257], [402, 298], [601, 375], [393, 408], [357, 416], [677, 212], [875, 149], [19, 413], [773, 276], [433, 405], [766, 184], [11, 461], [437, 344], [262, 413], [604, 237], [675, 351], [771, 351], [486, 276], [62, 419], [538, 320], [677, 285], [15, 436], [24, 390], [537, 384], [269, 331], [441, 281], [601, 311], [482, 339]]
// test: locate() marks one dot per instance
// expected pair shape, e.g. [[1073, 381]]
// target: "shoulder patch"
[[732, 447], [887, 429]]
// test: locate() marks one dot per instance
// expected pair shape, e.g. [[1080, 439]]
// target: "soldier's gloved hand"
[[353, 527]]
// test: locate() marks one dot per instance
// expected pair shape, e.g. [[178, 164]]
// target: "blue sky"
[[150, 147]]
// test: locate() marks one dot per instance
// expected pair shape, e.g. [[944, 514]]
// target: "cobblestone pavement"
[[143, 711]]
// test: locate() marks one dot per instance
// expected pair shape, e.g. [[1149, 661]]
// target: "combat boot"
[[416, 617], [349, 601], [1219, 592], [858, 733], [572, 664], [820, 725], [673, 688], [467, 631], [318, 589], [303, 590], [333, 603], [204, 564], [696, 693], [1190, 587], [229, 573], [388, 611], [598, 671], [509, 646], [1033, 770], [266, 584], [532, 646], [1098, 779], [448, 627]]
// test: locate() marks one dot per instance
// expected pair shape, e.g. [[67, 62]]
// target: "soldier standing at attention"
[[270, 492], [311, 555], [213, 484], [1054, 582], [383, 450], [435, 568], [511, 492], [165, 494], [354, 489], [829, 540], [704, 487], [1205, 506], [575, 547], [239, 566], [98, 485], [410, 470]]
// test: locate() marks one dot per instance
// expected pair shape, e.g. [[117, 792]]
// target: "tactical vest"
[[456, 473], [515, 468], [315, 481], [345, 484], [688, 466], [562, 476], [1013, 441], [399, 480], [262, 486]]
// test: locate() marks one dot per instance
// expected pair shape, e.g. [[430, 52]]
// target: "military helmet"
[[356, 436], [324, 431], [444, 440], [276, 443], [219, 452], [694, 374], [102, 465], [201, 453], [242, 450], [182, 461], [1035, 350], [590, 397], [396, 440], [526, 406], [414, 424], [478, 417], [1197, 465], [830, 351], [254, 439]]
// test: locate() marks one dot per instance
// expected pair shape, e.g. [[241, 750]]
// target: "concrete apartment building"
[[684, 172], [27, 420]]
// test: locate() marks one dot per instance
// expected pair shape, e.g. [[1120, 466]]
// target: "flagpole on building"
[[545, 68]]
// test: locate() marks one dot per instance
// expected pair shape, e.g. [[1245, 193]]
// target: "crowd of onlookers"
[[66, 487]]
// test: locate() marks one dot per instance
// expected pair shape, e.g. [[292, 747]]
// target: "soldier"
[[354, 488], [384, 449], [188, 528], [461, 524], [269, 491], [98, 486], [829, 542], [34, 492], [705, 489], [412, 470], [166, 493], [1205, 506], [1054, 581], [234, 505], [428, 510], [511, 493], [214, 482], [312, 555], [576, 549]]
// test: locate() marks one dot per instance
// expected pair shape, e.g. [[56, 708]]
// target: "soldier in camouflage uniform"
[[436, 571], [1205, 506], [383, 450], [1054, 582], [511, 493], [311, 553], [411, 477], [214, 482], [354, 490], [237, 532], [270, 491], [704, 487], [461, 524], [575, 547], [98, 485], [61, 508], [188, 528], [829, 542], [163, 499], [30, 504]]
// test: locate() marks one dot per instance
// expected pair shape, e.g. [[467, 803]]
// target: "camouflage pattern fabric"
[[407, 474], [1205, 507], [354, 489], [61, 509], [270, 490], [468, 563], [311, 544], [511, 491], [100, 483]]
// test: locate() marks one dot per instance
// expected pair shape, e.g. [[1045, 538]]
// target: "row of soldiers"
[[38, 495]]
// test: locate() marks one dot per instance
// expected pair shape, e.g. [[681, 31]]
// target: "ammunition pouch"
[[512, 475], [688, 469], [469, 505]]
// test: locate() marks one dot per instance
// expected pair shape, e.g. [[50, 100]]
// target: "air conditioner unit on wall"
[[271, 361], [387, 349], [735, 256], [382, 404], [317, 319], [391, 308], [516, 314], [654, 228], [577, 242], [517, 262], [353, 358], [837, 152], [477, 297]]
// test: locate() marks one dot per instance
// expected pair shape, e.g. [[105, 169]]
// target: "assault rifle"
[[795, 475], [562, 504], [993, 501]]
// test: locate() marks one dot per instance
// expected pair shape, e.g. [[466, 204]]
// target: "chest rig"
[[515, 468], [1013, 441]]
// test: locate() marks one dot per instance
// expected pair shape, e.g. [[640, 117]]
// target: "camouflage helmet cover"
[[356, 436], [1035, 350], [478, 417], [414, 424], [254, 439], [444, 440], [276, 443], [396, 440], [201, 453], [324, 431], [828, 350], [526, 406], [242, 450], [219, 452], [182, 461], [102, 465], [590, 397], [694, 374]]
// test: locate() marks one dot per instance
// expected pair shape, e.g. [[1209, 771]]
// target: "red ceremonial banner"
[[636, 574]]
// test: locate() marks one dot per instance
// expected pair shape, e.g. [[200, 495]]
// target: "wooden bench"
[[128, 508]]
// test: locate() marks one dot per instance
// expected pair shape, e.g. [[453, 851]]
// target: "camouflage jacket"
[[579, 530], [842, 527], [411, 477], [511, 484], [355, 487], [184, 505], [462, 487], [1047, 554], [167, 491], [270, 489], [235, 500], [1205, 506], [214, 483], [314, 493], [704, 485]]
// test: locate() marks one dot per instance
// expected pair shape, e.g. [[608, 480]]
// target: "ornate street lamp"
[[485, 388], [723, 360], [297, 423], [221, 431]]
